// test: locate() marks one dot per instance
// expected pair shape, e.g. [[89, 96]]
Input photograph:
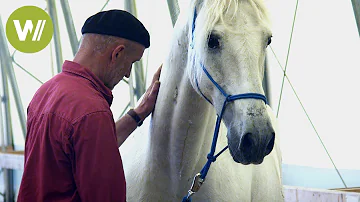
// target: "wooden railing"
[[15, 160]]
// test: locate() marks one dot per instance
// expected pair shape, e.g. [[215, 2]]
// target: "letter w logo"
[[22, 33]]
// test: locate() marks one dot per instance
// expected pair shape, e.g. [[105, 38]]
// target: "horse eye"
[[213, 41], [269, 41]]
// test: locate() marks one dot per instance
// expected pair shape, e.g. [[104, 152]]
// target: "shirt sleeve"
[[97, 165]]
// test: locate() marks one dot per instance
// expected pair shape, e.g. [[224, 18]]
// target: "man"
[[71, 149]]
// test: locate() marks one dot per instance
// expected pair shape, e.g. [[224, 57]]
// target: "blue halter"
[[200, 177]]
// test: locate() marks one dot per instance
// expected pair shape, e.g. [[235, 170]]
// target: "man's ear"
[[117, 52]]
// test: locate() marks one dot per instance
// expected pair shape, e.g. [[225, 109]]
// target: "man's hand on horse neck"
[[126, 125]]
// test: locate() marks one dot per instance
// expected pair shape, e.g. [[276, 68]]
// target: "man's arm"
[[126, 124], [124, 127]]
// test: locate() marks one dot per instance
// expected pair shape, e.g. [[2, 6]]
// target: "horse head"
[[228, 41]]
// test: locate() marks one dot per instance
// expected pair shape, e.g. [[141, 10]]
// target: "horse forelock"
[[224, 11]]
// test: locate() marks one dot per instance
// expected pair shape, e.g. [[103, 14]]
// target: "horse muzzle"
[[252, 146]]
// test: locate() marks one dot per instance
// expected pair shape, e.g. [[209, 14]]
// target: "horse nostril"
[[247, 142], [270, 144]]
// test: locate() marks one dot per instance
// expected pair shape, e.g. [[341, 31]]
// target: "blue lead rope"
[[211, 157], [200, 178]]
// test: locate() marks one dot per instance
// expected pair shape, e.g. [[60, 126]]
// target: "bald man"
[[71, 149]]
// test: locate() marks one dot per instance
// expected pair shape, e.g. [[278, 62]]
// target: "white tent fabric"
[[323, 68]]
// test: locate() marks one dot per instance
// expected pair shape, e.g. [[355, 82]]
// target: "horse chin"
[[240, 160]]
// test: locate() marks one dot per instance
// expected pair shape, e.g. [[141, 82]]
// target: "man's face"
[[123, 63]]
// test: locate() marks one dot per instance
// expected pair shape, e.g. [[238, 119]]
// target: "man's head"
[[112, 41]]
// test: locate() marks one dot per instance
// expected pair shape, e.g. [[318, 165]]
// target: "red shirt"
[[71, 151]]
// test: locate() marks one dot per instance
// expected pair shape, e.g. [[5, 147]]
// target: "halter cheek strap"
[[200, 177]]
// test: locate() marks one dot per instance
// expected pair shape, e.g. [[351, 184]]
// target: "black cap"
[[117, 23]]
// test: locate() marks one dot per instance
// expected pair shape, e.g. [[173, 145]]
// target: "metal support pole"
[[57, 43], [174, 10], [356, 7], [139, 73], [130, 7], [5, 104], [3, 124], [139, 80], [7, 64], [9, 195], [9, 184], [74, 42], [131, 91]]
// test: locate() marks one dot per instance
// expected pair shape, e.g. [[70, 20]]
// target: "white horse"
[[226, 39]]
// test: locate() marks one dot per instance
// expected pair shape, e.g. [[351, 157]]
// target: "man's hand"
[[126, 125], [148, 102]]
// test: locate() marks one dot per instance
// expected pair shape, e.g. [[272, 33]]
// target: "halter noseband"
[[200, 177]]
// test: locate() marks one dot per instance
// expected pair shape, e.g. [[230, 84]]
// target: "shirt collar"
[[77, 69]]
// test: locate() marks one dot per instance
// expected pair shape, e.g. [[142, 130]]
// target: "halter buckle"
[[197, 182], [195, 186]]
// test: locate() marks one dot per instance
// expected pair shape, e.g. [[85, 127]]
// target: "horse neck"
[[182, 123]]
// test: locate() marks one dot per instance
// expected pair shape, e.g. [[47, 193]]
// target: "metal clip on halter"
[[197, 182]]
